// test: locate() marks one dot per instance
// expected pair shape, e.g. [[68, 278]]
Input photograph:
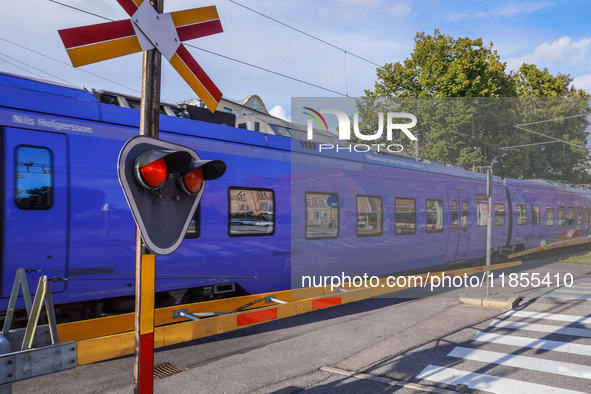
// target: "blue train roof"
[[39, 95], [39, 85]]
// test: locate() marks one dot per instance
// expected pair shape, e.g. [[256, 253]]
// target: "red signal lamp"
[[153, 166], [153, 174], [192, 182]]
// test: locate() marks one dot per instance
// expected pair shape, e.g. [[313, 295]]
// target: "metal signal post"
[[145, 261]]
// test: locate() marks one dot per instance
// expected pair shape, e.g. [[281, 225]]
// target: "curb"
[[497, 301]]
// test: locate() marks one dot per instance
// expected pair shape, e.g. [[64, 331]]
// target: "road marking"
[[534, 343], [484, 382], [570, 290], [565, 297], [532, 363], [549, 316], [514, 325]]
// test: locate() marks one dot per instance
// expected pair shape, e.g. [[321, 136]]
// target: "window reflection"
[[252, 212], [434, 216], [322, 215], [405, 216], [369, 216], [34, 177]]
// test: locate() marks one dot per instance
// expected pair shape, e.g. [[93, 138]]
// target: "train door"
[[457, 241], [35, 206]]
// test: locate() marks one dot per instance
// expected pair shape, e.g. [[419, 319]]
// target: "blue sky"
[[550, 34]]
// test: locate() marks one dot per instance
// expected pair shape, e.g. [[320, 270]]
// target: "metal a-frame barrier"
[[34, 350]]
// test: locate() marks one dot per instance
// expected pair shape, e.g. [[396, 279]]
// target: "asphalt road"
[[382, 345]]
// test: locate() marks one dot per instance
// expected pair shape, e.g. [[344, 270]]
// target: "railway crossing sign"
[[149, 167], [147, 29], [163, 183]]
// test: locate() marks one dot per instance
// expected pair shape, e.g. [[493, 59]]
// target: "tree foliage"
[[469, 109]]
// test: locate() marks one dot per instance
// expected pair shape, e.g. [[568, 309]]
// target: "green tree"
[[441, 66], [468, 106]]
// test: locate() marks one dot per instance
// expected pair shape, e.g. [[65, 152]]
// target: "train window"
[[434, 216], [521, 214], [535, 214], [369, 216], [464, 216], [34, 177], [571, 216], [405, 216], [252, 212], [454, 216], [482, 212], [579, 216], [195, 225], [549, 215], [561, 216], [499, 214], [322, 215]]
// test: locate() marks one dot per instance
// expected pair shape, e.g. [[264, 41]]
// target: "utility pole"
[[489, 193]]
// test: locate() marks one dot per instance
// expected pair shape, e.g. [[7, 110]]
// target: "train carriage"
[[282, 210]]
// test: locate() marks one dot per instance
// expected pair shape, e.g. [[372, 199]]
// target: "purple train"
[[282, 209]]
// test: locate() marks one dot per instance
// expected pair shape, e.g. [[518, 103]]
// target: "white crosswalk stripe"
[[494, 384], [514, 325], [579, 291], [550, 316], [533, 343], [537, 364], [520, 335]]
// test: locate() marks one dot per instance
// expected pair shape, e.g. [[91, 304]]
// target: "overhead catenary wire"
[[304, 33], [267, 70], [67, 64], [33, 67], [520, 127], [78, 9], [20, 68]]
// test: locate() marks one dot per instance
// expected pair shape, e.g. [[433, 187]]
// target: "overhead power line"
[[67, 64], [519, 126], [78, 9], [33, 67], [267, 70], [304, 33]]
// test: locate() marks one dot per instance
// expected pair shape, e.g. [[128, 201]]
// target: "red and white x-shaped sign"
[[147, 29]]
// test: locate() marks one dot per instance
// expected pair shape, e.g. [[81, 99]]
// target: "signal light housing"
[[163, 184]]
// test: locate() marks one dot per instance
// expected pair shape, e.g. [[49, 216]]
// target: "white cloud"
[[562, 53], [401, 8], [521, 8], [507, 11], [583, 82], [563, 50], [398, 8], [279, 112]]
